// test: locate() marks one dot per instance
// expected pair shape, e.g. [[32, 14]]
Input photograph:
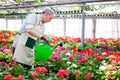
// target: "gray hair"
[[48, 10]]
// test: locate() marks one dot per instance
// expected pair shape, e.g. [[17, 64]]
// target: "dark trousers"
[[13, 50], [25, 66]]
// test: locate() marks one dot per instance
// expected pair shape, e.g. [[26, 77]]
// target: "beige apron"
[[25, 54]]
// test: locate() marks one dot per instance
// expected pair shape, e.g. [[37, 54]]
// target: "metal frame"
[[18, 6], [83, 2], [100, 16]]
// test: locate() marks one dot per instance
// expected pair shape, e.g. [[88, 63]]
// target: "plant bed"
[[98, 60]]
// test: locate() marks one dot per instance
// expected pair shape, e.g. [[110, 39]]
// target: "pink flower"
[[8, 77], [56, 57], [50, 59], [88, 76], [3, 63], [1, 49], [80, 60], [70, 58], [6, 51], [104, 54], [19, 78], [60, 57]]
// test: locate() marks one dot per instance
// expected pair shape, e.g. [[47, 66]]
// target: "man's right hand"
[[44, 39]]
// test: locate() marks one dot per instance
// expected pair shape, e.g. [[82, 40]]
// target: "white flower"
[[74, 65], [107, 73], [104, 53], [104, 63], [102, 68], [68, 53], [68, 62], [113, 72], [110, 65], [68, 68]]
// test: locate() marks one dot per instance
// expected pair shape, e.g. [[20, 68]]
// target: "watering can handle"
[[44, 39]]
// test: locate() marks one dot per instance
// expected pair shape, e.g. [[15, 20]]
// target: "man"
[[31, 30]]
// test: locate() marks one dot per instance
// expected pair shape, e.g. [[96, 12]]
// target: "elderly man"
[[31, 30]]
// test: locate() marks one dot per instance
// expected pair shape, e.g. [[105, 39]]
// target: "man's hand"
[[60, 44], [44, 39]]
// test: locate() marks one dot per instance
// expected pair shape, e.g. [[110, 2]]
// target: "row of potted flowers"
[[98, 60]]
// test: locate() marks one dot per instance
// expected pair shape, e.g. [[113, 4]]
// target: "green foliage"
[[17, 70], [18, 1], [2, 0], [89, 45], [5, 57], [38, 2]]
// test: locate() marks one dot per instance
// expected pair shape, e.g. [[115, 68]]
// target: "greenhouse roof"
[[15, 4], [9, 8]]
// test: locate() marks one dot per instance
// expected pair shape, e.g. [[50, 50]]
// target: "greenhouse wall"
[[105, 28]]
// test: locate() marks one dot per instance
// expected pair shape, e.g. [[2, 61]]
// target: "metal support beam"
[[94, 27], [52, 4], [83, 26], [64, 20]]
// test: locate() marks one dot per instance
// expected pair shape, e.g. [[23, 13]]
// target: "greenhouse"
[[59, 40]]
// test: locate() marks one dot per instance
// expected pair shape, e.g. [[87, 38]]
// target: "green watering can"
[[43, 50]]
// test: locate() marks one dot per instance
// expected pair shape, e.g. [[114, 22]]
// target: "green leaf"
[[18, 1], [2, 0], [38, 2]]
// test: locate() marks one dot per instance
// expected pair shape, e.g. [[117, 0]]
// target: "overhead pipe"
[[53, 4], [61, 14]]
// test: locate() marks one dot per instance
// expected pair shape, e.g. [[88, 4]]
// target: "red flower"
[[89, 51], [79, 60], [62, 73], [44, 70], [74, 48], [85, 59], [88, 76], [34, 74], [76, 73], [37, 69], [14, 62], [41, 69], [8, 77], [3, 63], [19, 78], [98, 58], [67, 71], [70, 58], [56, 57]]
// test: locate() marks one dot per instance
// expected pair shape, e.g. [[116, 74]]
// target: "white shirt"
[[29, 22]]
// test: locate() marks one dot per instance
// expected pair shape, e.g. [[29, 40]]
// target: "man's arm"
[[30, 22]]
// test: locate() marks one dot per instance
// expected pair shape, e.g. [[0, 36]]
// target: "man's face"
[[47, 17]]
